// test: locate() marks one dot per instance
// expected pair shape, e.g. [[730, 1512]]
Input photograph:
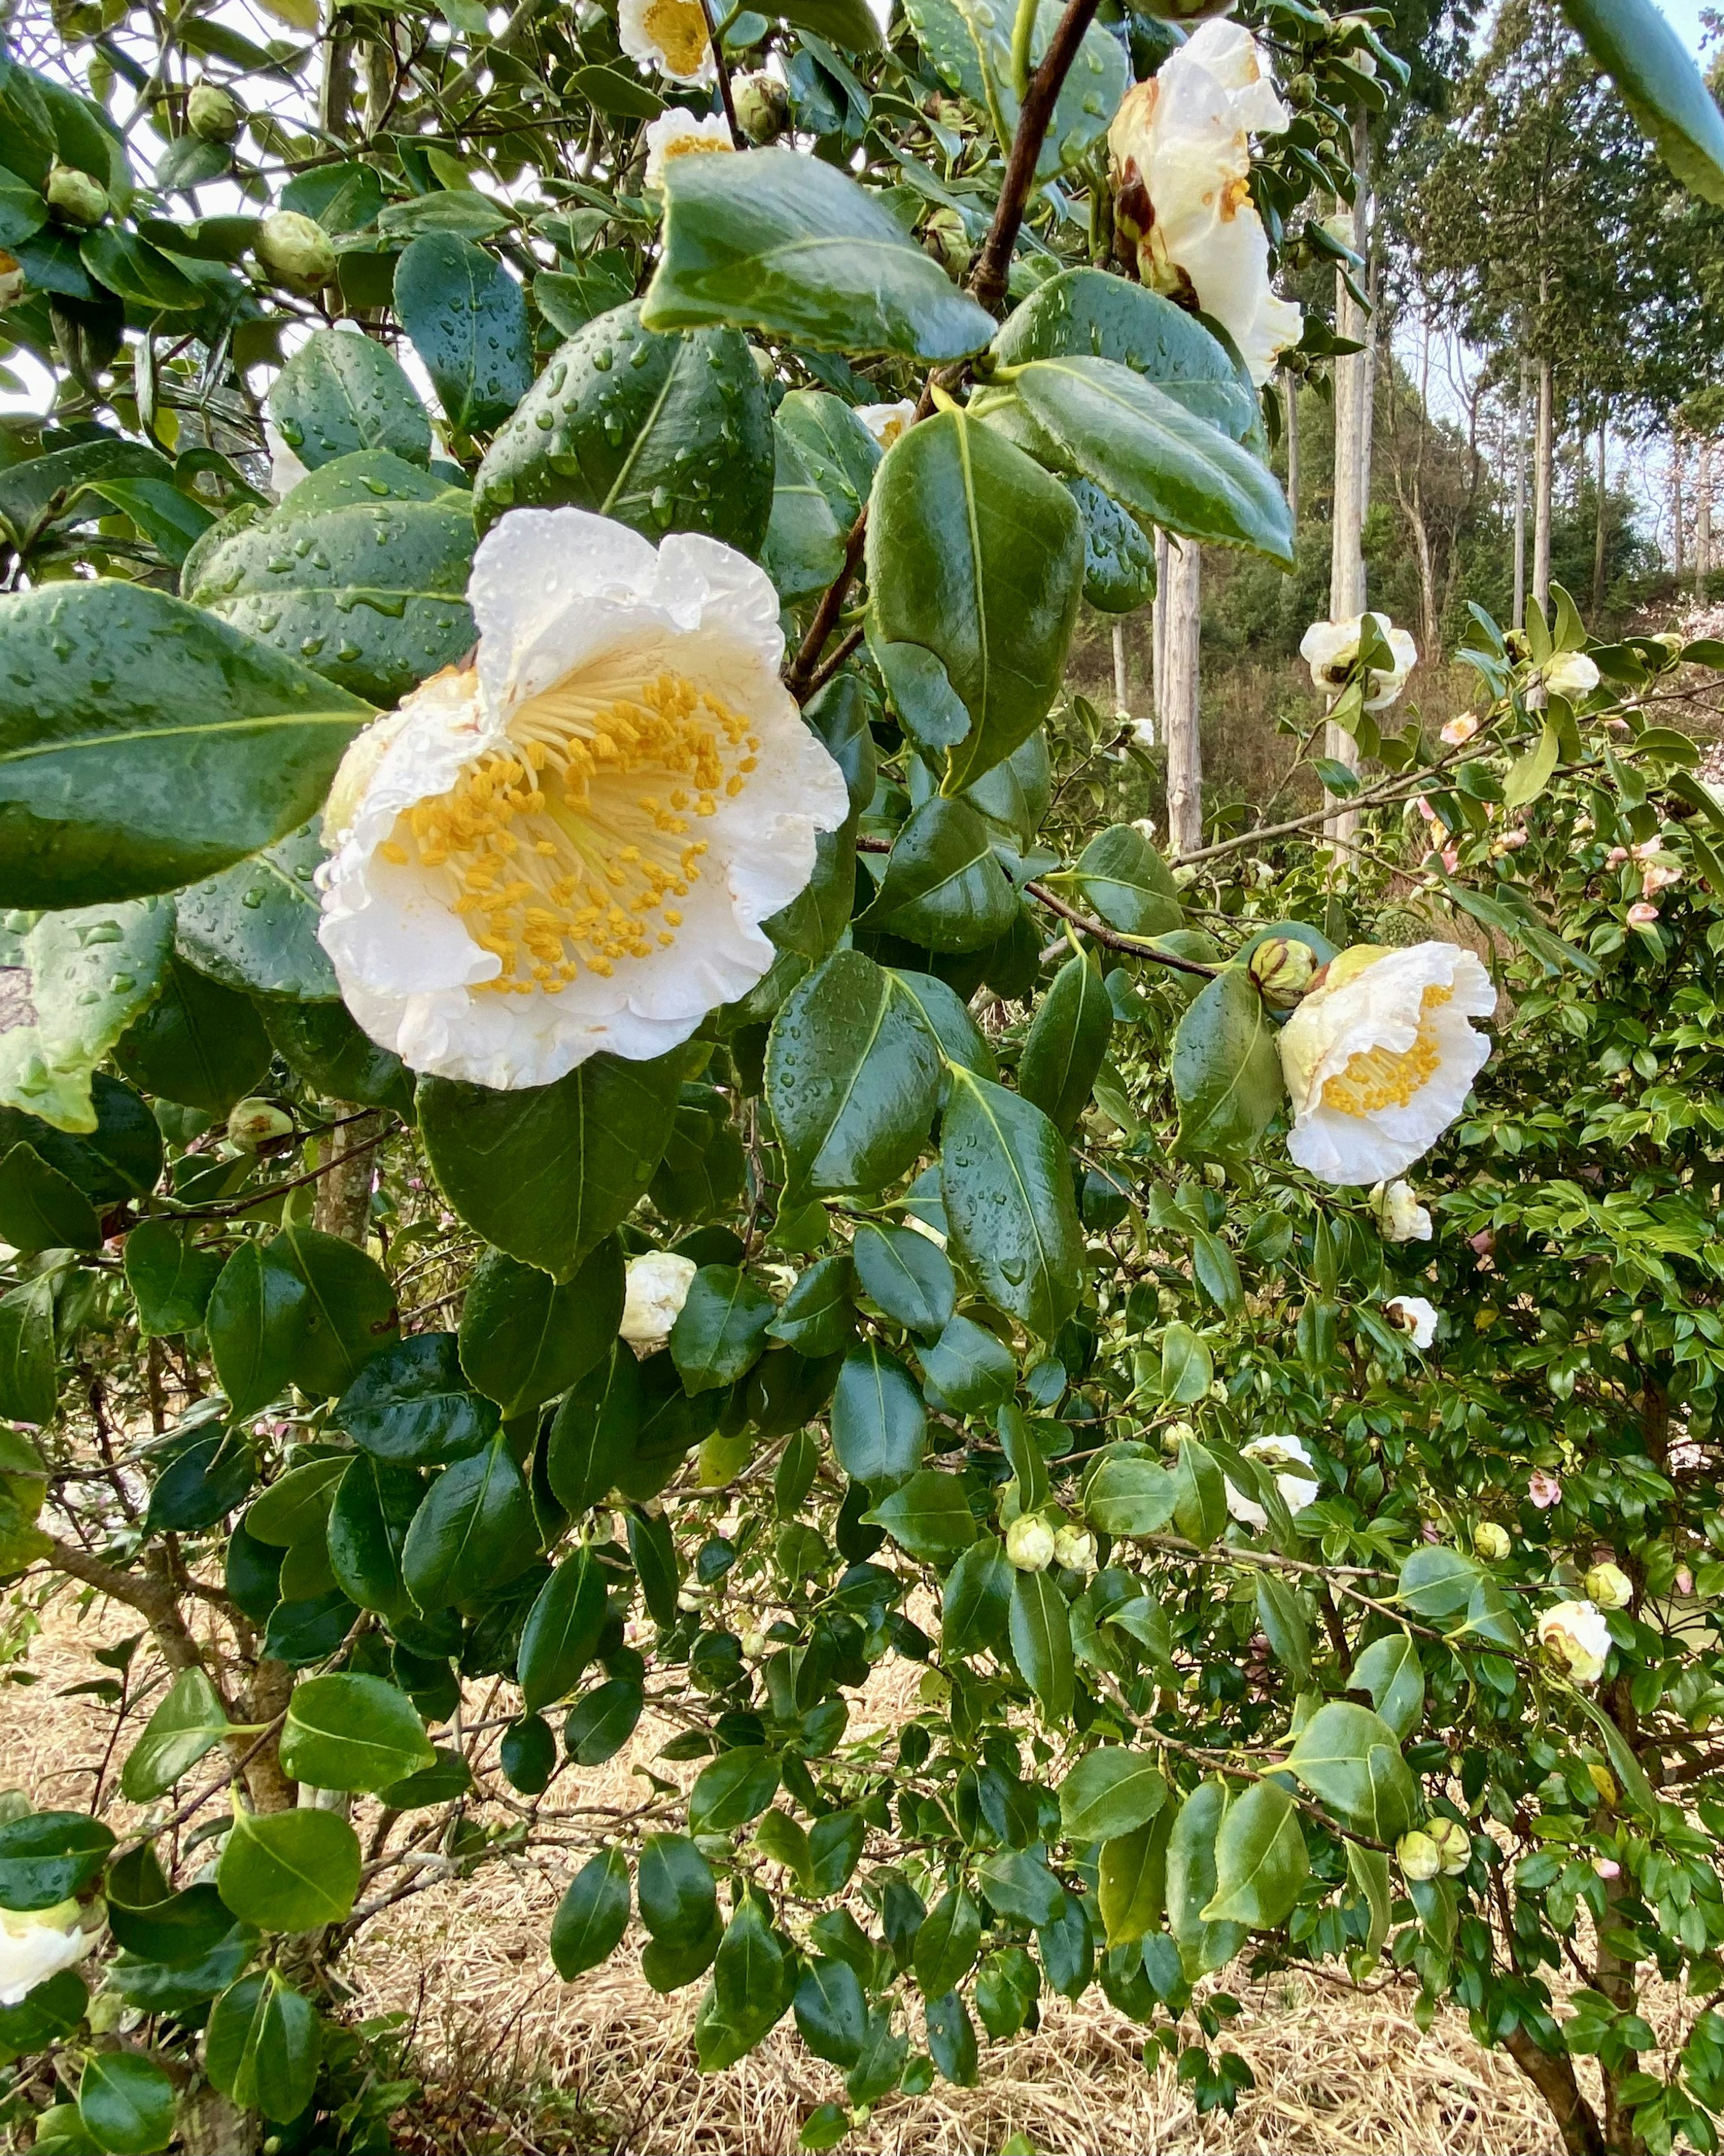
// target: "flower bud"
[[1609, 1587], [1453, 1844], [211, 114], [12, 281], [1418, 1856], [296, 251], [762, 106], [1075, 1548], [655, 1287], [75, 198], [254, 1122], [944, 238], [1282, 966], [1029, 1543], [1491, 1541]]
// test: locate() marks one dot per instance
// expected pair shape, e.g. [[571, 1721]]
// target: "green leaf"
[[1128, 1495], [411, 1405], [838, 451], [946, 1944], [1435, 1582], [1121, 876], [29, 1390], [600, 1724], [1527, 776], [186, 1724], [1279, 1612], [1005, 1176], [1066, 1043], [349, 1313], [679, 1902], [1199, 1494], [879, 1424], [86, 974], [348, 1732], [289, 1871], [1202, 1944], [847, 22], [547, 1172], [40, 1209], [138, 272], [1156, 456], [966, 1370], [1227, 1074], [971, 46], [1020, 1885], [788, 246], [909, 1277], [1260, 1861], [262, 2046], [321, 1043], [943, 887], [1132, 1880], [831, 2012], [295, 1506], [975, 566], [153, 747], [804, 546], [721, 1330], [1110, 1791], [126, 2103], [1023, 1456], [1041, 1643], [525, 1337], [653, 1548], [1348, 1758], [46, 1857], [373, 1507], [592, 1917], [1637, 1791], [749, 1989], [171, 1279], [474, 1530], [951, 2039], [592, 1441], [443, 1783], [975, 1606], [1389, 1671], [1368, 1872], [1633, 42], [664, 434], [467, 318], [927, 1516], [735, 1789], [340, 392], [852, 1077], [462, 211], [198, 1043], [255, 1315], [561, 1632]]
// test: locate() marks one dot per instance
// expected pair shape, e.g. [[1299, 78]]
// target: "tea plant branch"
[[988, 280]]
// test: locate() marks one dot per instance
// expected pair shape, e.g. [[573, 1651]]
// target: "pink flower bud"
[[1484, 1244], [1607, 1867], [1424, 808], [1450, 858], [1544, 1490], [1640, 915], [1616, 856], [1684, 1580], [1514, 840], [1459, 730]]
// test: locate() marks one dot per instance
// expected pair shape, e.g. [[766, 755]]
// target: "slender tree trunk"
[[334, 94], [1289, 407], [1553, 2075], [343, 1203], [1367, 357], [1347, 557], [1520, 502], [1598, 533], [1541, 476], [1158, 626], [1678, 518], [1182, 604], [1121, 701], [1703, 521]]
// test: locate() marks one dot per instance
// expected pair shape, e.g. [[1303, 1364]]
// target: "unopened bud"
[[944, 238], [1491, 1541], [1453, 1844], [1029, 1543], [1609, 1587], [254, 1122], [762, 106], [295, 250], [211, 114], [12, 281], [1282, 966], [1418, 1856], [1075, 1548], [75, 198]]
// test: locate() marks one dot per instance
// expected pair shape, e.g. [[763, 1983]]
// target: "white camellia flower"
[[1400, 1217], [37, 1944], [1379, 1057], [1571, 674], [1576, 1633], [1180, 147], [655, 1287], [1278, 1453], [1414, 1315], [887, 422], [671, 36], [1330, 648], [1609, 1586], [571, 845], [675, 133]]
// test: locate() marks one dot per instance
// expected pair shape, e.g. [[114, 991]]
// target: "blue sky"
[[1684, 17]]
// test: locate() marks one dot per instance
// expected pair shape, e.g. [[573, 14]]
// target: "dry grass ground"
[[513, 2059]]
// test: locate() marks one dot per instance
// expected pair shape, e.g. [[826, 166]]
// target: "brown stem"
[[739, 140], [799, 677], [837, 659], [993, 264], [1551, 2073]]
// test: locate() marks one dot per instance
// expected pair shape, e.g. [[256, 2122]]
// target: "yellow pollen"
[[678, 28], [1378, 1078]]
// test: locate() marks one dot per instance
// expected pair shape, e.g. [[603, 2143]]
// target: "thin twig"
[[799, 676], [993, 264], [739, 140]]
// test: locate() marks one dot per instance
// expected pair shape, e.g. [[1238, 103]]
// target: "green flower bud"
[[296, 251], [1609, 1587], [75, 198], [1490, 1542], [1453, 1844], [1074, 1549], [254, 1122], [762, 106], [1029, 1543], [1418, 1856], [211, 114], [1282, 966], [944, 238]]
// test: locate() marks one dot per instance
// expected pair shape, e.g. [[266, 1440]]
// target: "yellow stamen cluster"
[[568, 849], [1378, 1078], [678, 28]]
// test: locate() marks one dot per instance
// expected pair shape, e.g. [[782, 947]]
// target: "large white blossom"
[[570, 845], [655, 1287], [1576, 1634], [887, 422], [1414, 1315], [37, 1944], [1571, 674], [669, 35], [1379, 1057], [1280, 1454], [1181, 162], [675, 134], [1330, 648]]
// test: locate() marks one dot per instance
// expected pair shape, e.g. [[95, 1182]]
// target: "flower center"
[[571, 848], [1378, 1078], [678, 29]]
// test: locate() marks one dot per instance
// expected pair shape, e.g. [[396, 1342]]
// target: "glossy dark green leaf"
[[790, 246], [341, 392], [40, 1209], [1121, 876], [467, 318], [309, 1631], [262, 2045], [1260, 1861], [840, 454], [187, 1722], [653, 1547], [1390, 1670], [198, 1043], [525, 1337], [171, 1280], [349, 1313], [321, 1043], [125, 2102], [679, 1901], [547, 1172], [879, 1424], [527, 1754], [1041, 1643], [975, 566], [1020, 1885], [1132, 1880], [1006, 1986], [474, 1530], [951, 2039], [804, 547], [976, 1603], [1006, 1179], [148, 1919], [46, 1857], [1227, 1074], [1067, 1041], [348, 1731], [664, 434], [946, 1945], [737, 1787], [295, 1506], [1199, 1494], [971, 46], [289, 1871], [562, 1631], [749, 1991], [927, 1516], [373, 1507], [591, 1440], [909, 1277], [831, 2011], [967, 1370], [818, 1317], [444, 1782], [720, 1329], [592, 1917], [1110, 1791], [28, 1392], [946, 1016], [411, 1404], [1204, 1944], [944, 887], [253, 927], [1348, 1758], [599, 1725], [210, 1478]]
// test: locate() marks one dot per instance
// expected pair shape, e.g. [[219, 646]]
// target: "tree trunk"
[[1158, 626], [1677, 519], [1289, 407], [1541, 461], [1182, 606], [1703, 521], [1599, 532], [342, 1206], [1120, 699], [1520, 502], [210, 2124], [1551, 2073], [1346, 556], [335, 93]]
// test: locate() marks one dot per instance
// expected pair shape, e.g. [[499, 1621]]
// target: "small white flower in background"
[[1412, 1314], [675, 133], [1576, 1634], [285, 468], [655, 1287], [1379, 1057], [1419, 1856], [1143, 733], [571, 846], [1181, 149], [1030, 1543], [1459, 731], [887, 422], [1491, 1541], [1571, 674], [1640, 915], [671, 36], [1075, 1548], [1331, 647], [1400, 1217], [37, 1944], [1277, 1453], [1609, 1586]]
